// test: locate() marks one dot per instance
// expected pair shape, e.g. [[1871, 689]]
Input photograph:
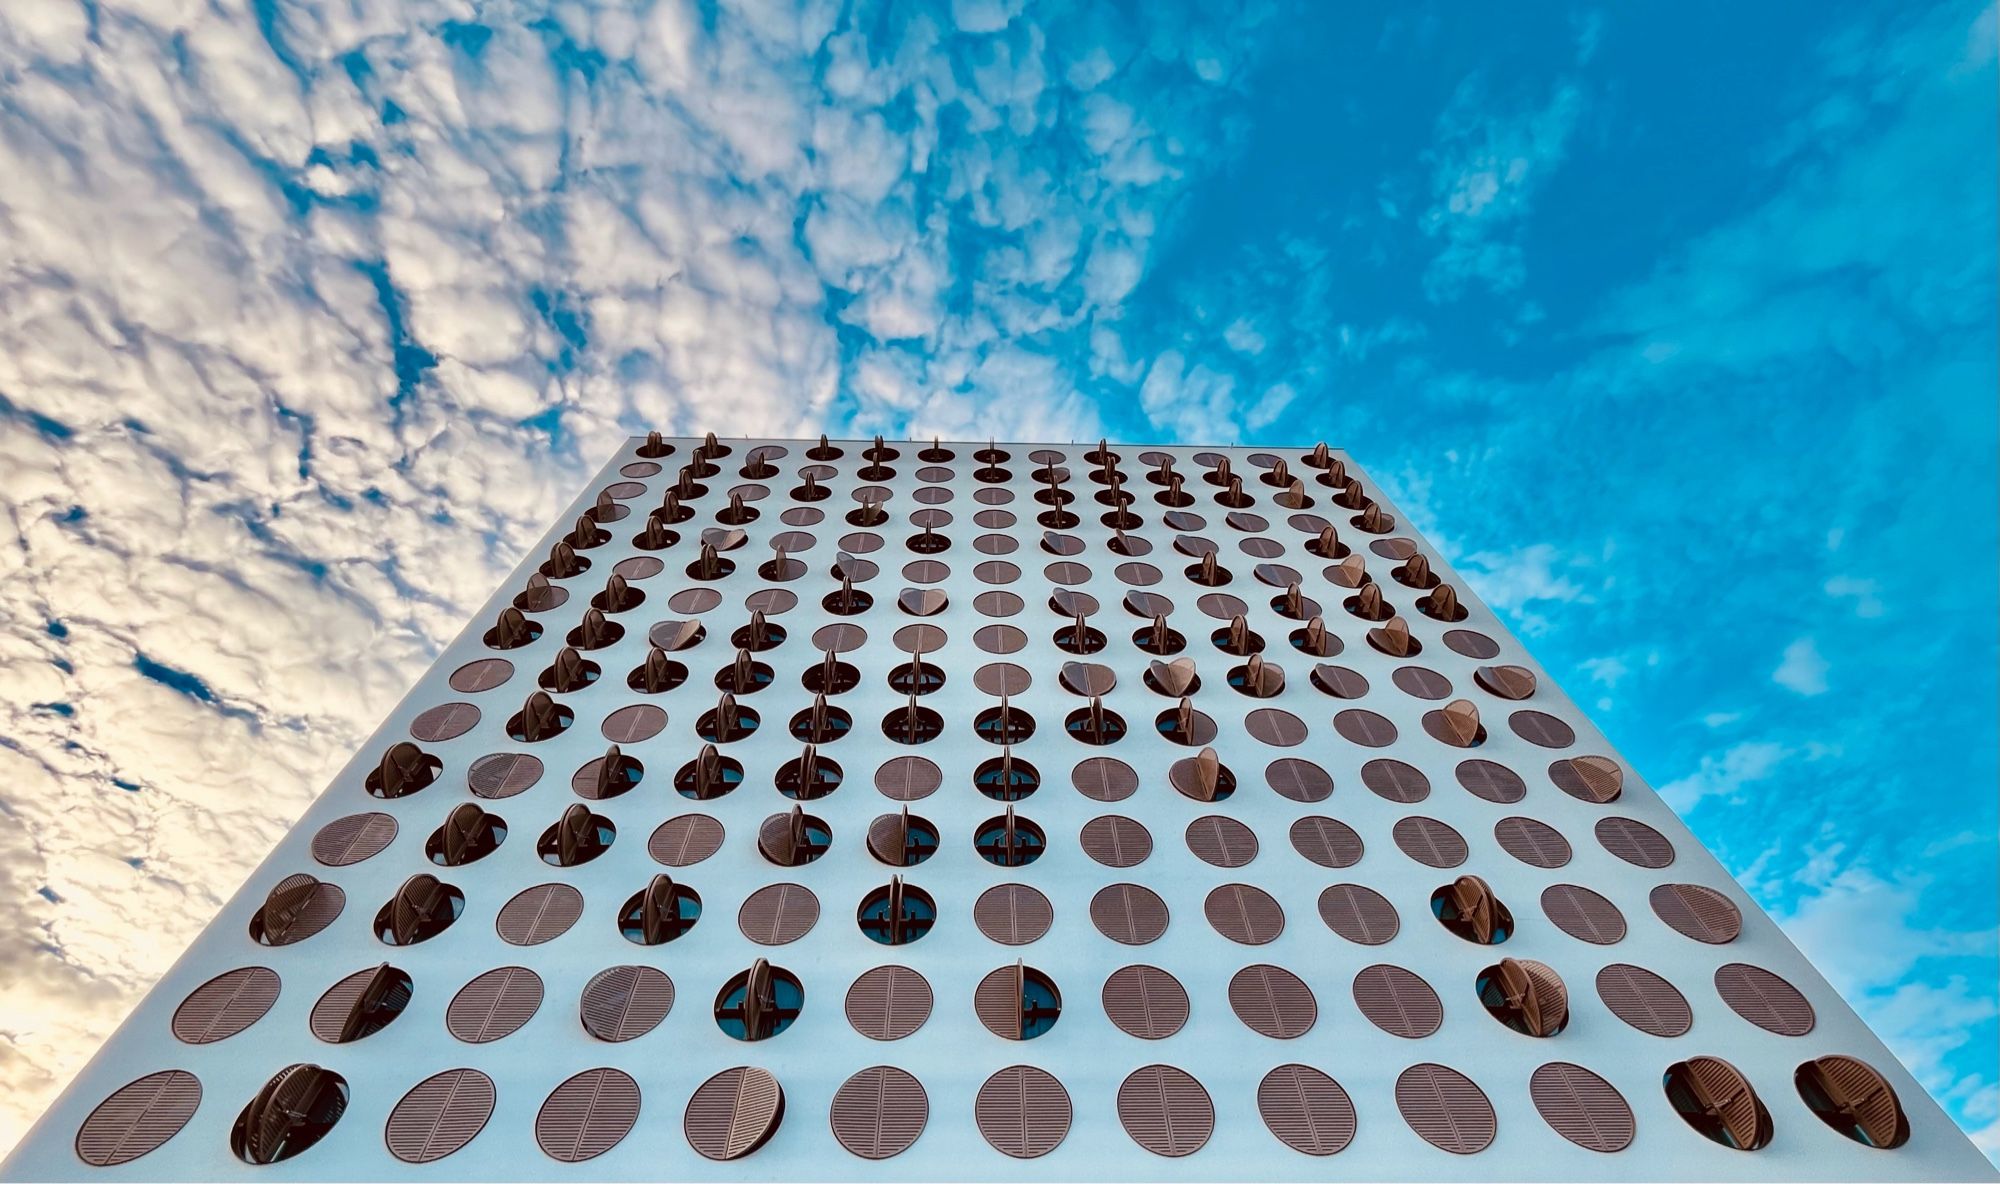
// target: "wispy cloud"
[[1802, 670], [1490, 164]]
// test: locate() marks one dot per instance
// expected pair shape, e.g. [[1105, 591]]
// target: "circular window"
[[1718, 1102], [422, 908], [1005, 778], [1328, 842], [138, 1118], [1244, 914], [734, 1113], [1013, 914], [1009, 841], [625, 1002], [659, 913], [1398, 1001], [1364, 728], [1534, 843], [224, 1006], [1491, 781], [1024, 1112], [1361, 915], [888, 1002], [1697, 912], [503, 774], [576, 838], [1272, 1001], [1421, 682], [1221, 841], [1468, 908], [481, 675], [1764, 999], [1299, 780], [542, 913], [1583, 914], [297, 909], [759, 1003], [447, 721], [908, 778], [896, 914], [795, 839], [1541, 728], [1634, 842], [1116, 841], [1202, 777], [1017, 1002], [1104, 779], [1002, 678], [354, 838], [1339, 681], [1165, 1110], [1527, 996], [902, 839], [1445, 1108], [1307, 1110], [1852, 1098], [439, 1115], [1129, 914], [686, 840], [361, 1004], [292, 1112], [1582, 1107], [1146, 1002], [879, 1112], [1644, 1000], [494, 1005], [1429, 842], [1280, 729], [778, 913]]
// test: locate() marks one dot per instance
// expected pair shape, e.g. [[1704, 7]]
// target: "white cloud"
[[1736, 768], [1802, 669], [279, 352], [1864, 593], [1488, 165]]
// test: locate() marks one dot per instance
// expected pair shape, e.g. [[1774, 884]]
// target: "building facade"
[[852, 811]]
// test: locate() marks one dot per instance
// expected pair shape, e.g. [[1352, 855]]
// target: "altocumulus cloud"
[[313, 309]]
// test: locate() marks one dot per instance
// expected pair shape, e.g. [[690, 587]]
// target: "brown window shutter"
[[1307, 1110], [1013, 914], [1398, 1001], [1272, 1001], [879, 1112], [1022, 1111], [625, 1002], [1644, 1000], [1698, 912], [1165, 1110], [225, 1005], [1860, 1100], [542, 913], [1361, 915], [733, 1113], [439, 1115], [1583, 914], [1582, 1107], [138, 1118], [1764, 999], [587, 1115], [494, 1005], [1145, 1001], [1445, 1108]]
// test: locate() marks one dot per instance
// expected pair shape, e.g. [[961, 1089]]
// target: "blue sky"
[[1673, 324]]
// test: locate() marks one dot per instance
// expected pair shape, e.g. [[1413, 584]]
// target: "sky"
[[1674, 325]]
